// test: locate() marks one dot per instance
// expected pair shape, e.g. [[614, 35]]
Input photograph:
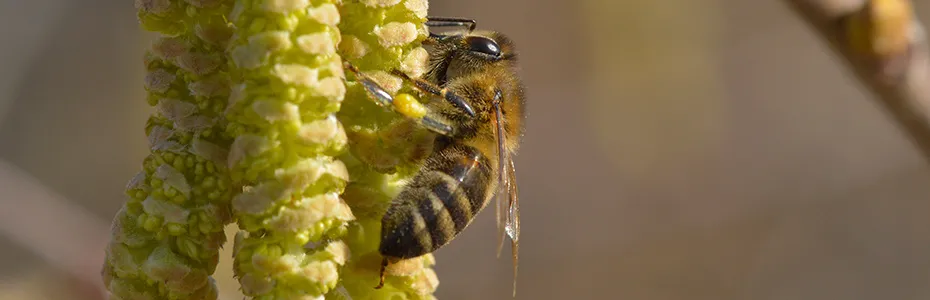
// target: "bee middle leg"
[[385, 99], [446, 94]]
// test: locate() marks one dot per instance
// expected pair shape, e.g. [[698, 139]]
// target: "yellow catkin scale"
[[882, 32], [882, 27], [286, 88], [165, 240], [379, 36]]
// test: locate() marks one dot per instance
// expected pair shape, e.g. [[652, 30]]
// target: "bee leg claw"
[[384, 263], [382, 97]]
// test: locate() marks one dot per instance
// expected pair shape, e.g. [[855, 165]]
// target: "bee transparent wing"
[[500, 208], [502, 184], [513, 219], [507, 202]]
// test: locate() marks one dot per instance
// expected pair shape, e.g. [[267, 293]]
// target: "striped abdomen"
[[438, 203]]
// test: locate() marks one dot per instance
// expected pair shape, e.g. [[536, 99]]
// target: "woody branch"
[[884, 45]]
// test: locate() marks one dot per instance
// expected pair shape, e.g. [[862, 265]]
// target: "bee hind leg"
[[383, 98], [428, 87], [384, 263]]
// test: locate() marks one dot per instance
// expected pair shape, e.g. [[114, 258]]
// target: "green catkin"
[[287, 87], [254, 120], [166, 238], [379, 36]]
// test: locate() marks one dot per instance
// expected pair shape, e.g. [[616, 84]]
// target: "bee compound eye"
[[483, 45]]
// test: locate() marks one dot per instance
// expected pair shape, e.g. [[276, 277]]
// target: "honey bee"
[[478, 123]]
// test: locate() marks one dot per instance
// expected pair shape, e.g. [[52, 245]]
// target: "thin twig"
[[907, 96], [63, 234]]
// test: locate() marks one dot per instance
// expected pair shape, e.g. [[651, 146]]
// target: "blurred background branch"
[[24, 42], [884, 44], [28, 209]]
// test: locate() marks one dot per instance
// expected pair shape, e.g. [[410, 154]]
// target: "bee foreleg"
[[448, 95], [383, 98], [451, 22]]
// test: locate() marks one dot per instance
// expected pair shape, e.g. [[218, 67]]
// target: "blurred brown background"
[[675, 150]]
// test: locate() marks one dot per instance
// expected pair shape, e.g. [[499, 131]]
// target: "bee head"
[[466, 53]]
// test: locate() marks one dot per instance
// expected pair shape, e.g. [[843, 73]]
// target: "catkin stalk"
[[289, 111], [379, 36], [287, 87], [166, 238], [253, 111]]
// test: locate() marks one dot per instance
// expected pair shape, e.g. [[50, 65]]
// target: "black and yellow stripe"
[[439, 202]]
